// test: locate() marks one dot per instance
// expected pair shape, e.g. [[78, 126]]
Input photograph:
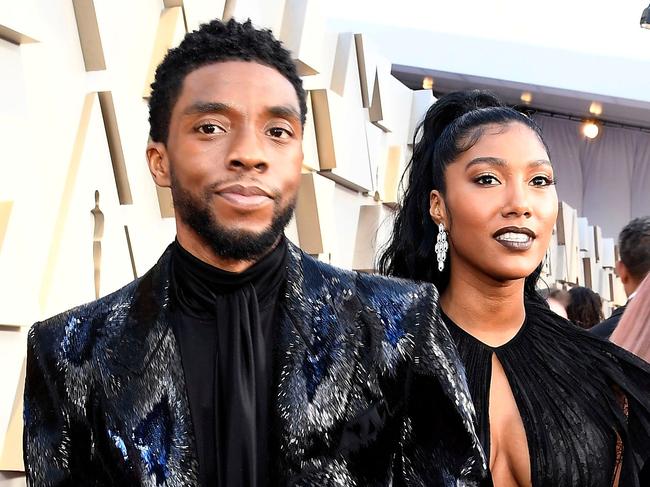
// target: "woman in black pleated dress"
[[555, 405]]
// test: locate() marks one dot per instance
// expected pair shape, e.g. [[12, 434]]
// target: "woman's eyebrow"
[[496, 161], [540, 162], [492, 161]]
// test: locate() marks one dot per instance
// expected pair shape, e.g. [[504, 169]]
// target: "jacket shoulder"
[[605, 328], [80, 323], [367, 287], [377, 284], [398, 304]]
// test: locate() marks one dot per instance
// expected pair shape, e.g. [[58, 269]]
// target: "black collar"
[[195, 284]]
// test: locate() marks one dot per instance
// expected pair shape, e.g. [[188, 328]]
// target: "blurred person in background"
[[585, 308], [633, 330], [633, 334], [632, 268], [555, 405], [558, 300]]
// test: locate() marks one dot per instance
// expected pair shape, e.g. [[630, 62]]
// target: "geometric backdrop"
[[79, 213]]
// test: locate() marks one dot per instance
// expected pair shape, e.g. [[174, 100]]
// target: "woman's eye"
[[541, 181], [279, 132], [209, 129], [487, 180]]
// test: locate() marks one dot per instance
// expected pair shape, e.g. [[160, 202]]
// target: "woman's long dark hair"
[[451, 126]]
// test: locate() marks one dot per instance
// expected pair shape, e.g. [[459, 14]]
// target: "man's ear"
[[622, 272], [437, 208], [158, 162]]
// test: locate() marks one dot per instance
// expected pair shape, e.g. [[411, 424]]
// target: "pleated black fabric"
[[223, 322], [575, 393]]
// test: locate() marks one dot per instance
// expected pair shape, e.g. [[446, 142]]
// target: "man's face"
[[232, 158]]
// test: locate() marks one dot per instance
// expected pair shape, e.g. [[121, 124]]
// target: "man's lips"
[[515, 238], [245, 196]]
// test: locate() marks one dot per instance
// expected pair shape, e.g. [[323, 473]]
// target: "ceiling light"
[[427, 83], [645, 18], [590, 129], [526, 97], [595, 108]]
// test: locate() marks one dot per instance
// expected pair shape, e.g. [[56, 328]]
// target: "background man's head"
[[634, 251], [226, 113]]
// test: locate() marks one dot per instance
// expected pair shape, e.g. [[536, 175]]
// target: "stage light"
[[595, 108], [590, 129], [645, 18], [526, 97], [427, 83]]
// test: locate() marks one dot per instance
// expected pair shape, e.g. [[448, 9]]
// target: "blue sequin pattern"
[[319, 357], [153, 437], [119, 444]]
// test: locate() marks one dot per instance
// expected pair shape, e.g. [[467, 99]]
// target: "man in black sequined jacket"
[[364, 384]]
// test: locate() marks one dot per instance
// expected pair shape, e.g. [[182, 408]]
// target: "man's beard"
[[199, 215]]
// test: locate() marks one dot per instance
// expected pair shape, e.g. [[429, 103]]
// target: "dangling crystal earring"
[[442, 246]]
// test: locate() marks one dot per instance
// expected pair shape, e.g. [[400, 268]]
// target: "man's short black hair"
[[634, 246], [213, 43]]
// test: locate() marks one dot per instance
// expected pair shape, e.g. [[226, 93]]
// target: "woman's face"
[[500, 204]]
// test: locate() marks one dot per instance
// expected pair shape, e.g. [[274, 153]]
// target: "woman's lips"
[[515, 240]]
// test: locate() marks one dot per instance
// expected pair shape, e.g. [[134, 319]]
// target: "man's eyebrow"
[[284, 111], [496, 161], [207, 107]]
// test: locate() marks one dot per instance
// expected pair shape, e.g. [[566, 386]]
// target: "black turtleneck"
[[223, 322]]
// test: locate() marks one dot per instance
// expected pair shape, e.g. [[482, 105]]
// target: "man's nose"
[[247, 152]]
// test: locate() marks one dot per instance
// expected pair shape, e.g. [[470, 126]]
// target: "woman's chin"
[[513, 275]]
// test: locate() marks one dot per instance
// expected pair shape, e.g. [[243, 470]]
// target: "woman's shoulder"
[[587, 353], [584, 350], [547, 321]]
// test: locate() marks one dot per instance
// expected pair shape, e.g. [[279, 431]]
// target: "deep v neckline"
[[560, 378], [493, 354]]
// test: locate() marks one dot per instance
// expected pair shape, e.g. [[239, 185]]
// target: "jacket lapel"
[[147, 409], [318, 344]]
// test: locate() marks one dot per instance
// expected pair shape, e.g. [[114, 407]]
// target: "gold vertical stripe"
[[165, 36], [115, 147], [11, 455], [5, 213], [89, 38], [130, 247]]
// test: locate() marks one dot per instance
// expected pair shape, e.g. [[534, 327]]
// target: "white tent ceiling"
[[567, 54]]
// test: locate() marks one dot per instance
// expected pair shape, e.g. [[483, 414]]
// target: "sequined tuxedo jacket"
[[370, 389]]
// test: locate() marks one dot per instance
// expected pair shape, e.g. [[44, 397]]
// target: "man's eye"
[[279, 132], [487, 180], [209, 129]]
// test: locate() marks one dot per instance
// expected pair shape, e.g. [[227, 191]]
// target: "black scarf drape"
[[223, 322]]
